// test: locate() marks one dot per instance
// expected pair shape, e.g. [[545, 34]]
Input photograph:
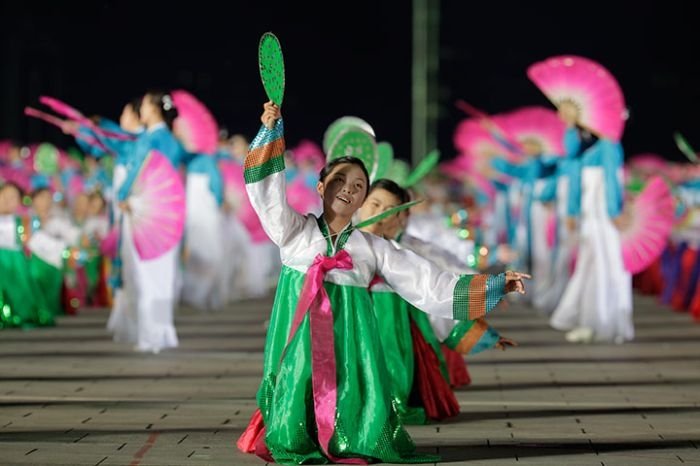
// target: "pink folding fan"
[[536, 125], [195, 124], [650, 218], [157, 207], [589, 86]]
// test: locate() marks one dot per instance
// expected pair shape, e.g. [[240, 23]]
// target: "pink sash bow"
[[323, 370]]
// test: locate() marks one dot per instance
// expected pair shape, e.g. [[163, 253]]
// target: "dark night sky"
[[97, 55]]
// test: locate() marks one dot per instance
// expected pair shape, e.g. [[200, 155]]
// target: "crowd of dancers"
[[383, 273]]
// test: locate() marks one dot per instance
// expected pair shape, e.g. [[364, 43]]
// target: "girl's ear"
[[320, 188]]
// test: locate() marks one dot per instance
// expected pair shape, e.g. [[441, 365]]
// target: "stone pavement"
[[70, 396]]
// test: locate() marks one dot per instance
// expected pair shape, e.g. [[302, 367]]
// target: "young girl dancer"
[[325, 393]]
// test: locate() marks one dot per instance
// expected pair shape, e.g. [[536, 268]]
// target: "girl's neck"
[[335, 223], [152, 125]]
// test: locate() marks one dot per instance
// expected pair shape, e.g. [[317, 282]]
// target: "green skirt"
[[49, 281], [18, 291], [397, 345], [367, 424]]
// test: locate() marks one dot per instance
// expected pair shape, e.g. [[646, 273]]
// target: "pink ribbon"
[[323, 370]]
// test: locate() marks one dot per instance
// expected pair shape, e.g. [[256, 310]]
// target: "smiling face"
[[378, 201], [343, 190]]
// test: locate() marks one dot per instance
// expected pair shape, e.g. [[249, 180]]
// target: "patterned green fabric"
[[367, 424], [394, 324], [49, 281], [476, 295], [18, 290], [259, 173]]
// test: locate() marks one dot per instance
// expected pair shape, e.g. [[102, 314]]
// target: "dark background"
[[344, 58]]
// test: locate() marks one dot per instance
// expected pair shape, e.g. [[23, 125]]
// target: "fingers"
[[512, 275], [271, 113]]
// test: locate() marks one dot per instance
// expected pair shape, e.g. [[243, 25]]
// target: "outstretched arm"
[[438, 292], [265, 179]]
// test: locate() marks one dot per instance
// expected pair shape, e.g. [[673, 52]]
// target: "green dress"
[[18, 291], [46, 269], [366, 424]]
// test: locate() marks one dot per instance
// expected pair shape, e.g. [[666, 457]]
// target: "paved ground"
[[70, 396]]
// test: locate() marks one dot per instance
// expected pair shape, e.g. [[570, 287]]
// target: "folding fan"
[[157, 207], [491, 123], [472, 139], [355, 142], [271, 64], [589, 86], [195, 124], [75, 115], [51, 119], [649, 221], [458, 167], [537, 126], [648, 164]]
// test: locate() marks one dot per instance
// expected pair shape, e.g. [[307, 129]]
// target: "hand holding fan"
[[271, 64], [157, 207], [588, 86], [51, 119], [489, 123], [74, 114]]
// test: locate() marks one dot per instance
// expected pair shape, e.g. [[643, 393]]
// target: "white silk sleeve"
[[266, 185], [433, 290]]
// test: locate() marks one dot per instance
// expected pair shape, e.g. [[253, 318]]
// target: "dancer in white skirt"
[[597, 302], [565, 192], [149, 294], [204, 241]]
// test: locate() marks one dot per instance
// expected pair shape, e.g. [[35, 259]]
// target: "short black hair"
[[12, 184], [388, 185], [135, 104], [325, 171], [38, 191]]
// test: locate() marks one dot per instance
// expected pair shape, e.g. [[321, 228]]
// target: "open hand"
[[271, 114], [504, 343], [514, 281]]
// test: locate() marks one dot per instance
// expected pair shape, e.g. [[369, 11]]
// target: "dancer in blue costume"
[[597, 302]]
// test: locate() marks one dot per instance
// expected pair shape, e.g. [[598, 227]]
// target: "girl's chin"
[[340, 208]]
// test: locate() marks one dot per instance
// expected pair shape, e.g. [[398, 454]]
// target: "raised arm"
[[265, 179]]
